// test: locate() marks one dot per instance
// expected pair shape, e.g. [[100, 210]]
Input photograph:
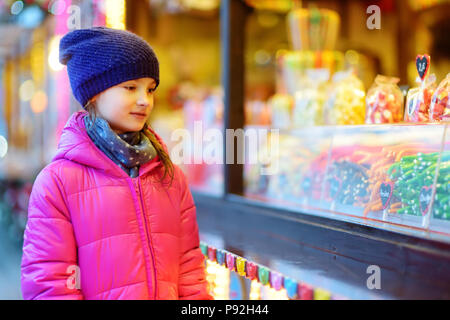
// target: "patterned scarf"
[[128, 150]]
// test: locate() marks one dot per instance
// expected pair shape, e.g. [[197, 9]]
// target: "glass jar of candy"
[[346, 100], [384, 101], [418, 100], [440, 104]]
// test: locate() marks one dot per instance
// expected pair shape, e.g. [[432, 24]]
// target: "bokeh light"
[[39, 101], [26, 90], [115, 14], [57, 7], [17, 7], [53, 57], [3, 146]]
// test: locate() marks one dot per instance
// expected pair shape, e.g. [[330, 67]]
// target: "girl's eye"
[[130, 88], [151, 90]]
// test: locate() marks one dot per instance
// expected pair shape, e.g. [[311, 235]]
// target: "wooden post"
[[406, 28], [232, 31]]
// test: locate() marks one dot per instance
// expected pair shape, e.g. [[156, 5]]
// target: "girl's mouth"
[[139, 115]]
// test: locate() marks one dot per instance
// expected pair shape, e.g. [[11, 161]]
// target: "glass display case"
[[392, 177]]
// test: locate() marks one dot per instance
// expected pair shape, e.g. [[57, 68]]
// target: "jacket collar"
[[75, 145]]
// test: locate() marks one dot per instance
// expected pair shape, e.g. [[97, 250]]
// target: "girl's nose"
[[143, 100]]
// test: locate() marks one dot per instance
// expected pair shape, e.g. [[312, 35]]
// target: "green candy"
[[404, 210], [263, 275], [204, 249]]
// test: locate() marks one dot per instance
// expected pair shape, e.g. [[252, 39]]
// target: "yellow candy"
[[348, 105], [240, 266], [320, 294]]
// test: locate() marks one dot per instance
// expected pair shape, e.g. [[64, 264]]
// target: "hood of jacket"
[[75, 145]]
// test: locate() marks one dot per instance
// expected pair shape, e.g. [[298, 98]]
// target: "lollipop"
[[418, 99]]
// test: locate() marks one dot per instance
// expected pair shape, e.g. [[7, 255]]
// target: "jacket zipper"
[[148, 239]]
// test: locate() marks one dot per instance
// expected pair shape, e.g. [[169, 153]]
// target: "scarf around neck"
[[128, 150]]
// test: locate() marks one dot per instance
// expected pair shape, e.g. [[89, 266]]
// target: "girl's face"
[[127, 105]]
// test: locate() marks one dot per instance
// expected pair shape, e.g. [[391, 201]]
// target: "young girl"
[[111, 217]]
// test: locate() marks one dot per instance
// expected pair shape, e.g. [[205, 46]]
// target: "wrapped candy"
[[440, 105], [384, 101], [308, 104], [418, 100], [346, 100]]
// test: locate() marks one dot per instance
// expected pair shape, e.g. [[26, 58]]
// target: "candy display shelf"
[[393, 177]]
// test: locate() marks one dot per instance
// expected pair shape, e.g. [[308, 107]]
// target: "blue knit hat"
[[99, 58]]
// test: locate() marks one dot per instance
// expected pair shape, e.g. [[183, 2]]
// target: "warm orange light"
[[39, 101], [218, 278], [255, 290]]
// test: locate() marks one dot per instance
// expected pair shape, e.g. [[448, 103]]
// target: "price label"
[[386, 191], [425, 199], [423, 64]]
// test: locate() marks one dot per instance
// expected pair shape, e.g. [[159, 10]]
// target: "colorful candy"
[[384, 101], [321, 294], [291, 287], [305, 292], [263, 275], [348, 183], [230, 261], [240, 266], [418, 101], [440, 104], [204, 249], [220, 257], [276, 280], [252, 270], [212, 254], [414, 176], [346, 101]]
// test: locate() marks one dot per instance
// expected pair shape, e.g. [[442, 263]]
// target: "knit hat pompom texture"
[[99, 58]]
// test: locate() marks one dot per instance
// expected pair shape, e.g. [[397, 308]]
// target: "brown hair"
[[162, 154]]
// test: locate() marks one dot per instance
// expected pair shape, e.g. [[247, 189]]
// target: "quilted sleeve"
[[49, 262], [192, 284]]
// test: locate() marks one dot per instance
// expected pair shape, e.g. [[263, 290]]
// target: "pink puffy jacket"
[[126, 238]]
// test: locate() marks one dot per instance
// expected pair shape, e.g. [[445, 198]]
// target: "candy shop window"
[[357, 108]]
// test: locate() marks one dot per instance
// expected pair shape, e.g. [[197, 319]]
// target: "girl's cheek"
[[126, 100], [120, 105]]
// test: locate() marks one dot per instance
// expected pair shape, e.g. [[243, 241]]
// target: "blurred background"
[[36, 100]]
